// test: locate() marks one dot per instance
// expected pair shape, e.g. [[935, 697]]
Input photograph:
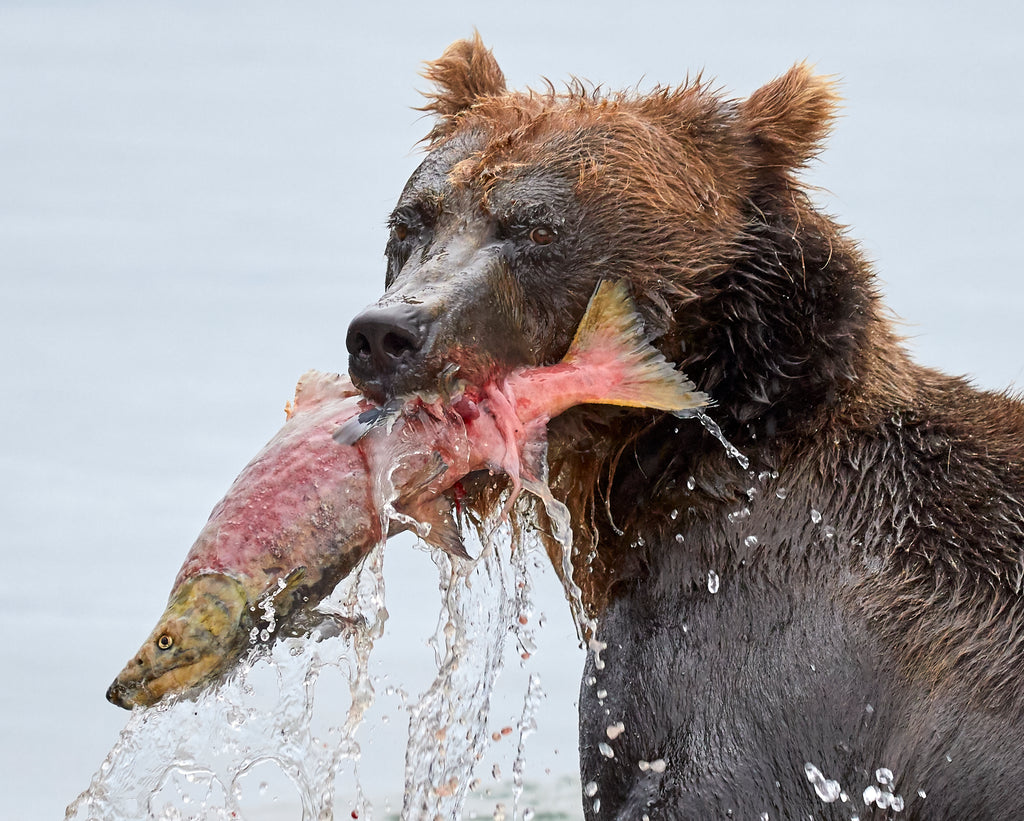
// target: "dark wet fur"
[[887, 634]]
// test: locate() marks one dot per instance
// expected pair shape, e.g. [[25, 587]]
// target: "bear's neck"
[[791, 330], [787, 340]]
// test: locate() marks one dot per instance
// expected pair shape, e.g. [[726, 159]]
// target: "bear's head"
[[526, 200]]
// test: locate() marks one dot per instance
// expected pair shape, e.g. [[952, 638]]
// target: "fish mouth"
[[127, 694], [199, 635]]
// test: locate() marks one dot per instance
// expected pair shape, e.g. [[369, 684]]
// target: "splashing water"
[[448, 727], [275, 721], [204, 759], [711, 426]]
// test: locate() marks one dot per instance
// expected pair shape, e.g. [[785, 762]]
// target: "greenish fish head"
[[198, 636]]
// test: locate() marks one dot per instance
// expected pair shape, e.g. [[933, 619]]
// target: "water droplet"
[[738, 515], [674, 515], [750, 541], [871, 794], [922, 794], [679, 538], [763, 817], [896, 804], [590, 789], [597, 805], [658, 765], [606, 750], [691, 483], [815, 516], [883, 775], [829, 531], [713, 581], [782, 493], [602, 694], [827, 789], [613, 731]]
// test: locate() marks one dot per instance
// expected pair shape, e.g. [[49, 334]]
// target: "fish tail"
[[612, 330]]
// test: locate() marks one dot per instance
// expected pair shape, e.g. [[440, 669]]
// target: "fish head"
[[199, 635]]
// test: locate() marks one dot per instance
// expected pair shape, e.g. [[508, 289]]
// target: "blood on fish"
[[344, 473]]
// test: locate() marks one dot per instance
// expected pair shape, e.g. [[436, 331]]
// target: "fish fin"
[[442, 529], [282, 593], [414, 482], [315, 386], [326, 625], [285, 585], [352, 430], [612, 327]]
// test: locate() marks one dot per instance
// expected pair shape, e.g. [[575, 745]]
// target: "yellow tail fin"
[[612, 326]]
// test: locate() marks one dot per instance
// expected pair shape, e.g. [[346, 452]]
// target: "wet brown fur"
[[675, 262], [766, 303]]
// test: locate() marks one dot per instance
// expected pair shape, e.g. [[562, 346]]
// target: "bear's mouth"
[[412, 347]]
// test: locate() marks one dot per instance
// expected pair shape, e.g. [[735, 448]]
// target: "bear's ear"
[[790, 117], [465, 72]]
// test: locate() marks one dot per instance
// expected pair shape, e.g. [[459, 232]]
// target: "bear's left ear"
[[465, 72], [790, 117]]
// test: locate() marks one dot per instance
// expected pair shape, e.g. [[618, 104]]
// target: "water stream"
[[286, 722], [281, 736]]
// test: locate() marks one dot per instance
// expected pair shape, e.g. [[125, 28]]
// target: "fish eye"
[[542, 235], [164, 642]]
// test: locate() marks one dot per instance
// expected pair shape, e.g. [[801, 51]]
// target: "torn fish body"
[[342, 473]]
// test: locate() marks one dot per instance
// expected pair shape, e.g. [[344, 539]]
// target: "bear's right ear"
[[790, 117], [465, 72]]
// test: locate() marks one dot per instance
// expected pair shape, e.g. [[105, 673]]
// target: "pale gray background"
[[192, 206]]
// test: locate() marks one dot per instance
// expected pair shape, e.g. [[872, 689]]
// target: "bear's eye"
[[400, 231], [542, 235]]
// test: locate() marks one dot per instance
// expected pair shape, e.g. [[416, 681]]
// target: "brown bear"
[[831, 626]]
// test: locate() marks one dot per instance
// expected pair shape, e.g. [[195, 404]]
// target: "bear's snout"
[[385, 346]]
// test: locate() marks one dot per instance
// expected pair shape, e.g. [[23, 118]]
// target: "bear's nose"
[[383, 340]]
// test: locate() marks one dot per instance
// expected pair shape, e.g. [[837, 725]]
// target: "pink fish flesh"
[[342, 472]]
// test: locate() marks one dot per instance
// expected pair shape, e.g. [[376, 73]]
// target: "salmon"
[[344, 473]]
